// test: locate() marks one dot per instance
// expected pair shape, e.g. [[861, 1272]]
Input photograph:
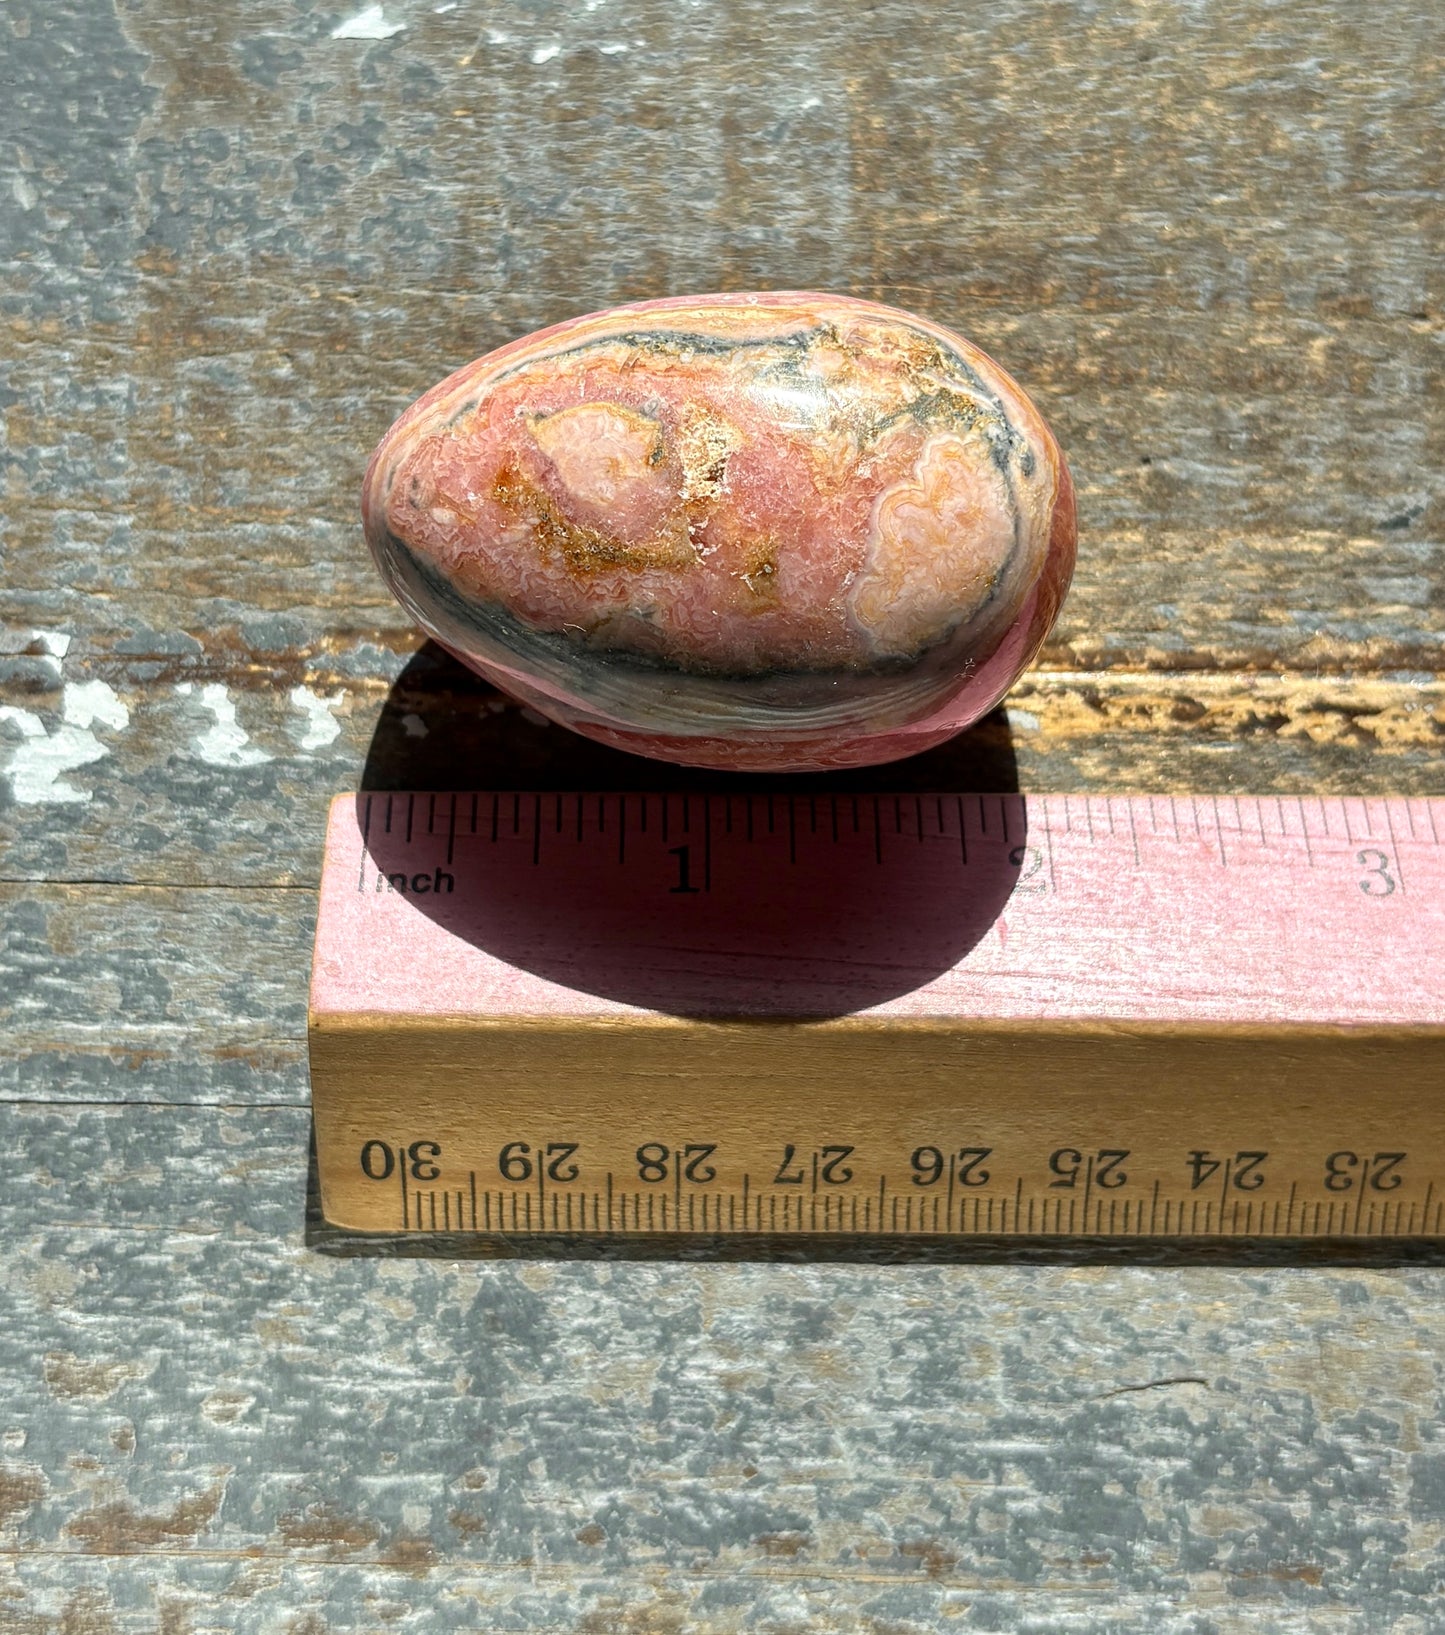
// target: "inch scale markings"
[[913, 1016]]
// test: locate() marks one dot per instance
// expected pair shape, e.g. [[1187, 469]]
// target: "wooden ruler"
[[877, 1016]]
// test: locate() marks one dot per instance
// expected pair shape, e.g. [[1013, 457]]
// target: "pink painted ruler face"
[[1254, 910]]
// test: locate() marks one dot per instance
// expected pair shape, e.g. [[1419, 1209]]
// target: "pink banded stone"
[[760, 532]]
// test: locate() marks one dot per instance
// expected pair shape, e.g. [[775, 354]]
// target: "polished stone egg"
[[781, 531]]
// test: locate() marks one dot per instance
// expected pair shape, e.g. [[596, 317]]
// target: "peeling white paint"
[[321, 726], [613, 48], [1022, 720], [545, 53], [370, 24], [50, 646], [54, 642], [40, 760], [25, 195], [441, 11], [226, 743]]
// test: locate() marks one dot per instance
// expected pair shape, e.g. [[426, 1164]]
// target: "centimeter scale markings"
[[881, 1016]]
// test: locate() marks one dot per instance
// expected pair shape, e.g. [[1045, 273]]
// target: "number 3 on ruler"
[[1378, 881]]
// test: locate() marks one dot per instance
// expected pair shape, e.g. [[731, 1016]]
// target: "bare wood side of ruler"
[[939, 1016]]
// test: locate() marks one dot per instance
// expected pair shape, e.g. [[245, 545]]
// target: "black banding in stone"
[[658, 340], [528, 641], [463, 412], [887, 693]]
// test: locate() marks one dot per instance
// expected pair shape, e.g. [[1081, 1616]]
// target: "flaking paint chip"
[[370, 24]]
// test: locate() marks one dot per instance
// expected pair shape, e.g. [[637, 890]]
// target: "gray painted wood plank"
[[1184, 1449], [80, 1596], [1222, 156], [140, 994], [149, 1168]]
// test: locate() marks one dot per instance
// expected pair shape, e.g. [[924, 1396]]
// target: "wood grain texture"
[[222, 1420], [1209, 241]]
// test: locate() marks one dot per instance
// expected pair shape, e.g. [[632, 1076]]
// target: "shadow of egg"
[[686, 892]]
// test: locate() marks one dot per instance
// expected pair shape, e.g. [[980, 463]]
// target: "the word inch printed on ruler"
[[882, 1016]]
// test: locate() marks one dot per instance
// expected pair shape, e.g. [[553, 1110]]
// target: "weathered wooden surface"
[[252, 1432], [1209, 241]]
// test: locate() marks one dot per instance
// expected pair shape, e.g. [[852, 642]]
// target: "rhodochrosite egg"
[[774, 531]]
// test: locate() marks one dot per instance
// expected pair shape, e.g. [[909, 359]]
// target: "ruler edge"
[[880, 1249], [661, 1024]]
